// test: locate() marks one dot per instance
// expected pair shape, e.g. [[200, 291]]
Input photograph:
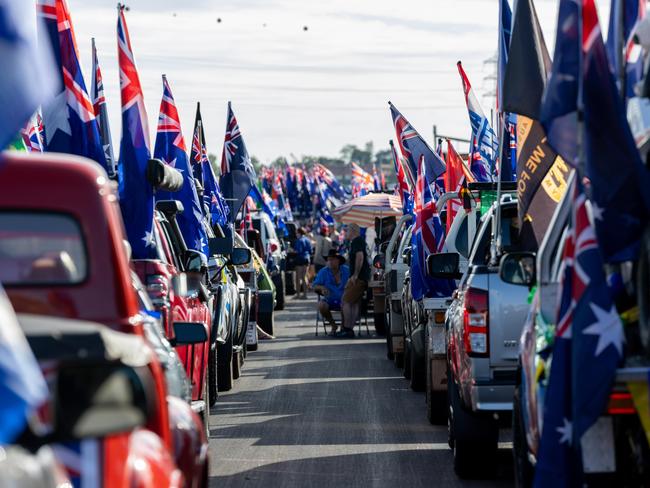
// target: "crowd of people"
[[322, 267]]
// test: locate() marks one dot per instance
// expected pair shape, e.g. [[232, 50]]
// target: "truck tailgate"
[[508, 306]]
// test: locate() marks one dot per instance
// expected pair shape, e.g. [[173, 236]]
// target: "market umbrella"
[[363, 210]]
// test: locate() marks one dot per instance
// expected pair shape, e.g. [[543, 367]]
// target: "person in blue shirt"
[[330, 282], [302, 246]]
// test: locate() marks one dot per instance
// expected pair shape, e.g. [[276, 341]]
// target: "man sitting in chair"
[[329, 283]]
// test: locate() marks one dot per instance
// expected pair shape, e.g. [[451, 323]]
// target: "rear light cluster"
[[621, 403], [475, 322], [158, 290], [273, 247]]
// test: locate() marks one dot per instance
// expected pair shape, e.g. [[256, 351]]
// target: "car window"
[[461, 244], [39, 248], [509, 236]]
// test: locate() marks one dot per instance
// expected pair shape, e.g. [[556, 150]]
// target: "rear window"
[[41, 249]]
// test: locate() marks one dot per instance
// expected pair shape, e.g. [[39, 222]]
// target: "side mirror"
[[518, 268], [406, 256], [188, 333], [444, 265], [240, 256], [194, 261], [100, 398], [221, 246]]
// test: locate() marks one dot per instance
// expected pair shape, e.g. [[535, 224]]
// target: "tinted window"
[[509, 236], [462, 245], [41, 249]]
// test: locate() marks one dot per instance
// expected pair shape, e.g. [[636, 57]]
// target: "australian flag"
[[203, 172], [136, 193], [170, 148], [619, 180], [402, 185], [413, 146], [32, 137], [589, 337], [484, 138], [101, 113], [70, 116], [237, 172], [559, 106], [428, 234]]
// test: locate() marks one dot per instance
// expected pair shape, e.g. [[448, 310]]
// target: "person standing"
[[358, 282], [302, 247], [330, 283], [322, 247]]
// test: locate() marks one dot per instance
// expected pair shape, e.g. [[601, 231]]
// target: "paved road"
[[317, 411]]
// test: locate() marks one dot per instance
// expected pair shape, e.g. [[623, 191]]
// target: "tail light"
[[476, 321], [273, 246], [621, 403], [158, 290]]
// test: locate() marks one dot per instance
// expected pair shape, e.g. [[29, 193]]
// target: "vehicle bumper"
[[490, 396]]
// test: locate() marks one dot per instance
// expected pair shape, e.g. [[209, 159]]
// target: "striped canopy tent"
[[363, 210]]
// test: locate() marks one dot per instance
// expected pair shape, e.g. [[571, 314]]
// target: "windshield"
[[38, 248]]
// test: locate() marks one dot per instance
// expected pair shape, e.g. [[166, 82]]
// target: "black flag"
[[528, 63]]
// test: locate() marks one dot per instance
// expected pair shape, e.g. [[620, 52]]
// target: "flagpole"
[[495, 246]]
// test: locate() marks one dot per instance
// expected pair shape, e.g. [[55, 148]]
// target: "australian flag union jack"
[[170, 148], [237, 172], [428, 235], [413, 147], [70, 117], [486, 142], [136, 193], [32, 137]]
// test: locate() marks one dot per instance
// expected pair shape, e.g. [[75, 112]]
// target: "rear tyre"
[[406, 362], [236, 365], [279, 283], [522, 466], [436, 400], [389, 345], [212, 377], [417, 376], [206, 411], [224, 365], [380, 323], [474, 439]]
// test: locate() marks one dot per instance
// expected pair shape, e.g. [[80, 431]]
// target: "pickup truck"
[[621, 454], [395, 270], [63, 255], [483, 324]]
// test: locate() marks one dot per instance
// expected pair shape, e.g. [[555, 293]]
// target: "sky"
[[304, 92]]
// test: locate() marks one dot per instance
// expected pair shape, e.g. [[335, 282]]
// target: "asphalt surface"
[[318, 411]]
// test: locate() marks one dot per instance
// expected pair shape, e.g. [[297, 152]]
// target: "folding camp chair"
[[321, 320]]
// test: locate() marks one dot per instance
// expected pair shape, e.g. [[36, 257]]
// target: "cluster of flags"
[[74, 120]]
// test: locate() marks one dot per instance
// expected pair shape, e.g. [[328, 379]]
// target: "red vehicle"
[[157, 275], [62, 254]]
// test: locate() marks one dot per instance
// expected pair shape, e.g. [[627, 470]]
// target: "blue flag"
[[29, 77], [70, 117], [22, 387], [101, 112], [413, 146], [136, 193], [170, 148], [214, 206], [237, 172], [559, 105], [619, 181]]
